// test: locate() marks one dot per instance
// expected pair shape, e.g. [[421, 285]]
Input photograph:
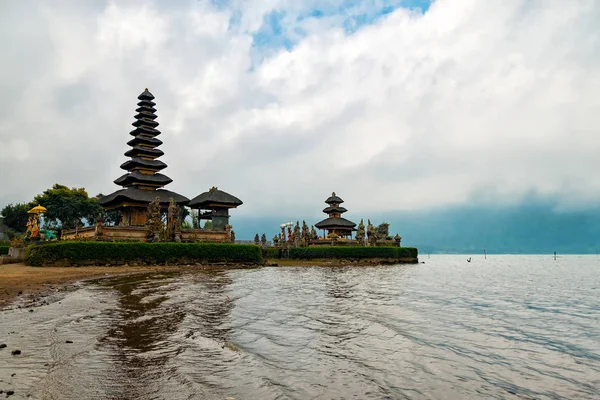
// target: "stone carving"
[[397, 240], [360, 233], [296, 235], [173, 222], [371, 234], [33, 227], [154, 222], [305, 234]]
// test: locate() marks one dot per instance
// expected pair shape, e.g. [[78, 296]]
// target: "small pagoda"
[[216, 205], [335, 225], [143, 182]]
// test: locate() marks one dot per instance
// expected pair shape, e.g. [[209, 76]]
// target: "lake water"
[[502, 328]]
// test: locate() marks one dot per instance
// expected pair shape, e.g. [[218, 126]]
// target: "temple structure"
[[216, 204], [335, 225], [142, 183], [143, 203]]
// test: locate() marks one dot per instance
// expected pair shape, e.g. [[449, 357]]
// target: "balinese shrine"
[[335, 225], [143, 199]]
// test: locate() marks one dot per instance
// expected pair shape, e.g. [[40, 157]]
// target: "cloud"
[[280, 102]]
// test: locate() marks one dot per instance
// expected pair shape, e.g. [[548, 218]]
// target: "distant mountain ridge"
[[532, 228]]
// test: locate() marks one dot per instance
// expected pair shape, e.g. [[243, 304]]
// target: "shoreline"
[[19, 281], [33, 284]]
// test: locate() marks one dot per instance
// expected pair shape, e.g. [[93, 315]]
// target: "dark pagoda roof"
[[143, 130], [146, 112], [330, 209], [134, 177], [144, 151], [153, 142], [146, 95], [214, 196], [334, 199], [335, 223], [142, 196], [137, 162]]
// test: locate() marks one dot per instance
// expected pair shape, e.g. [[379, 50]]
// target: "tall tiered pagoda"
[[335, 224], [142, 183]]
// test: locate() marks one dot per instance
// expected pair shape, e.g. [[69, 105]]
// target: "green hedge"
[[88, 253], [271, 253], [352, 252], [4, 249]]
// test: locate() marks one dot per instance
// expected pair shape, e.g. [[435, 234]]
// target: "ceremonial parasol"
[[37, 210]]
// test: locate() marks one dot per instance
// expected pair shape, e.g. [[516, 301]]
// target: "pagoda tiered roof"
[[335, 221], [214, 197], [142, 183]]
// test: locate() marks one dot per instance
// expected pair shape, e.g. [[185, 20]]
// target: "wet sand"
[[18, 280]]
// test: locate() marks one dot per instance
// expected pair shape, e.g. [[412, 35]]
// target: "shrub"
[[354, 252], [4, 249], [88, 253], [271, 252]]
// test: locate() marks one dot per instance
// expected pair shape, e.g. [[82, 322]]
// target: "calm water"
[[506, 327]]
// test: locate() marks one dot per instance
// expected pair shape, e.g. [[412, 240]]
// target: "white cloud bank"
[[473, 101]]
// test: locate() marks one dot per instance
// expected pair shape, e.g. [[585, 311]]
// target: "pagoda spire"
[[142, 169]]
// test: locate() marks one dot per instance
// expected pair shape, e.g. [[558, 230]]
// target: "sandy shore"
[[18, 280], [15, 278]]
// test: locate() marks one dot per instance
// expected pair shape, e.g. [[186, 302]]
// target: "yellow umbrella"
[[37, 210]]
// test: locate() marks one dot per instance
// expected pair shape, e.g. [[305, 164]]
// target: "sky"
[[397, 106]]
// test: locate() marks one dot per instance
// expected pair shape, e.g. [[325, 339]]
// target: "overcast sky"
[[395, 105]]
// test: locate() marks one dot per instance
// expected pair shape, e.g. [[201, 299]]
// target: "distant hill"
[[525, 229]]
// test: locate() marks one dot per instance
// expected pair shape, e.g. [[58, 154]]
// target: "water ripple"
[[506, 327]]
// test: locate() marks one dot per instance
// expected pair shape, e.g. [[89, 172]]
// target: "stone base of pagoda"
[[138, 234]]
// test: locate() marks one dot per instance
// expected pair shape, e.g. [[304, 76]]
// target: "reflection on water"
[[505, 327]]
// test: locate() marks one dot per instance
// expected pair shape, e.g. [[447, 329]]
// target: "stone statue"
[[360, 233], [371, 234], [173, 222], [397, 240], [305, 234], [154, 223], [33, 228], [99, 225], [230, 233], [297, 235]]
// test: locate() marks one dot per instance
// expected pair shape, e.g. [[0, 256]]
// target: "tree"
[[15, 216], [256, 239], [195, 220], [183, 214], [263, 240], [313, 233], [68, 207], [208, 225]]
